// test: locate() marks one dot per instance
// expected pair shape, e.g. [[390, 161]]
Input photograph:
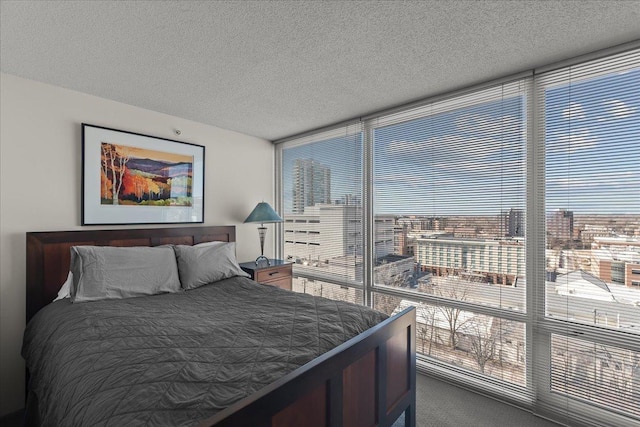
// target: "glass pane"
[[488, 345], [602, 374], [327, 290], [449, 187], [322, 188], [592, 129]]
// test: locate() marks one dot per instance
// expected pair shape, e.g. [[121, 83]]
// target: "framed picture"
[[130, 178]]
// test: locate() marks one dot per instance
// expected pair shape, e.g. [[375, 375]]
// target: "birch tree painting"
[[137, 176]]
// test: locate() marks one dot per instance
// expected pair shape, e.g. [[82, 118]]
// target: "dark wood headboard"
[[48, 253]]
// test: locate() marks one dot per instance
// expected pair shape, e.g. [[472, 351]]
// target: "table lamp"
[[263, 213]]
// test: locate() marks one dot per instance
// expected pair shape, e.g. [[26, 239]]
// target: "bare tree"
[[598, 373], [483, 340], [426, 331], [458, 292], [105, 170], [617, 367], [423, 334]]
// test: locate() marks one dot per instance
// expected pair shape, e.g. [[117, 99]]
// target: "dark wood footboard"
[[368, 381]]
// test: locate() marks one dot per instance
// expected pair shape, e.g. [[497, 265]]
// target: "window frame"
[[546, 327], [540, 329], [516, 393]]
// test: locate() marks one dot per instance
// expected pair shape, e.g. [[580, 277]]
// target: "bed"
[[367, 380]]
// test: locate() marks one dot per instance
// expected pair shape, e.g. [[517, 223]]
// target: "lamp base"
[[262, 257]]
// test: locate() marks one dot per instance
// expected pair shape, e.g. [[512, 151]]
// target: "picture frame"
[[132, 178]]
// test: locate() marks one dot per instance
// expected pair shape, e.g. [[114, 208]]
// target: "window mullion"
[[368, 222], [535, 245]]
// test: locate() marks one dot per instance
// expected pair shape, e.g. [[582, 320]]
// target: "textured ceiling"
[[272, 69]]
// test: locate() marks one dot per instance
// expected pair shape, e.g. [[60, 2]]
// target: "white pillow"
[[65, 290]]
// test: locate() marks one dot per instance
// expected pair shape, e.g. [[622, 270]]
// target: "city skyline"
[[452, 179], [471, 160]]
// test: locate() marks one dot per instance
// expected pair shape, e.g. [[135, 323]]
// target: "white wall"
[[40, 156]]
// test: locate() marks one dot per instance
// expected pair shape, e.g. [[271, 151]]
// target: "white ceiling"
[[273, 69]]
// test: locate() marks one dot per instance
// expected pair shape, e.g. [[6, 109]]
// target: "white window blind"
[[450, 178], [508, 215], [589, 122], [322, 205], [453, 174]]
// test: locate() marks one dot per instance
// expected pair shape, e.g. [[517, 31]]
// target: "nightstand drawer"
[[268, 275], [279, 273]]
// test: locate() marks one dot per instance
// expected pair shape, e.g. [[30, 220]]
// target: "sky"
[[468, 161], [471, 159], [593, 145]]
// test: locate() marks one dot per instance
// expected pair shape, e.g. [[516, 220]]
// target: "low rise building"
[[330, 235], [494, 261]]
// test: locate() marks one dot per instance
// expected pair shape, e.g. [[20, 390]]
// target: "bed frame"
[[367, 381]]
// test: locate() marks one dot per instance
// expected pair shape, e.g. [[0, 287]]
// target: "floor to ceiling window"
[[590, 125], [450, 176], [322, 211], [508, 215]]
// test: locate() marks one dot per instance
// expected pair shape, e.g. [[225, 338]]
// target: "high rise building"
[[513, 223], [560, 225], [311, 184]]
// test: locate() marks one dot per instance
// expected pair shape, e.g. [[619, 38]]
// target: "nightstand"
[[277, 274]]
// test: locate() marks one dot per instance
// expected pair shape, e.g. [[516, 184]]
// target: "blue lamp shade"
[[263, 213]]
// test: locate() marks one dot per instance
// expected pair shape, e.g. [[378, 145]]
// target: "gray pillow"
[[105, 272], [200, 265]]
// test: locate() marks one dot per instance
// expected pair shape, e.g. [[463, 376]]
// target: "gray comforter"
[[174, 359]]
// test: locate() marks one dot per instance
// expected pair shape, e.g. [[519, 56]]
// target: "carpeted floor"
[[440, 404]]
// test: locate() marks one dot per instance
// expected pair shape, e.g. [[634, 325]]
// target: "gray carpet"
[[440, 404]]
